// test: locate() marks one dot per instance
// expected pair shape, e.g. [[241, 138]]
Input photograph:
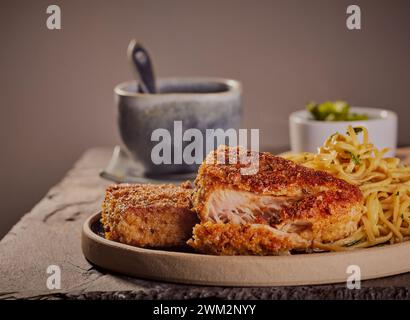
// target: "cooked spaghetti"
[[384, 182]]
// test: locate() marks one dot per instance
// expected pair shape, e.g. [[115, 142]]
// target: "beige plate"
[[191, 268]]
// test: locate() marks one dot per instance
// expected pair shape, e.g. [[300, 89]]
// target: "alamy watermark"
[[354, 277], [354, 20], [170, 148], [53, 21], [54, 279]]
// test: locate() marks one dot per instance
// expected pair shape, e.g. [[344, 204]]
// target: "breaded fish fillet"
[[148, 215], [283, 206]]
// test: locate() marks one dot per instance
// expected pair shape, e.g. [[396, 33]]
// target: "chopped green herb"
[[333, 111], [336, 133], [352, 243], [355, 159], [356, 130]]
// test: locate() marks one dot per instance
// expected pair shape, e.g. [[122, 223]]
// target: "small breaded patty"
[[148, 215]]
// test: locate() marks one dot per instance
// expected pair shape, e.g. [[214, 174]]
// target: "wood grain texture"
[[50, 234]]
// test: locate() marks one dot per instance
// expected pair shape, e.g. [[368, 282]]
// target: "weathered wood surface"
[[50, 235]]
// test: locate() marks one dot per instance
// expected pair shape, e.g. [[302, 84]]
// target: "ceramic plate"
[[193, 268]]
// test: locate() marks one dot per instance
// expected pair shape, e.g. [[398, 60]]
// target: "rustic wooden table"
[[50, 235]]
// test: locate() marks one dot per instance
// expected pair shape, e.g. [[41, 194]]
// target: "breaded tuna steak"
[[148, 215], [283, 206]]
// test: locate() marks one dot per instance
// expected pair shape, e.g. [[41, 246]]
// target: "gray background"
[[56, 86]]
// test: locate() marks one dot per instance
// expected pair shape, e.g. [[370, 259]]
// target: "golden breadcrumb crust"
[[243, 239], [275, 176], [148, 215]]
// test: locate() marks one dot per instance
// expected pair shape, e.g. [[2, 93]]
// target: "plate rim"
[[89, 235]]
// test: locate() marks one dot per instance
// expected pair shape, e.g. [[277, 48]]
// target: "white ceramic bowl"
[[308, 135]]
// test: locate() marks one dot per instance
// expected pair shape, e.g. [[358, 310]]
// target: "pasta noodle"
[[384, 182]]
